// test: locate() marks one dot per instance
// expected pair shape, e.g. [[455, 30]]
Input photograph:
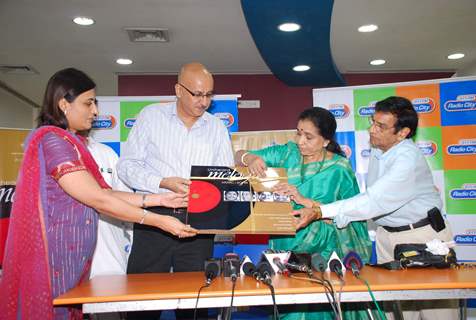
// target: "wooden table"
[[165, 291]]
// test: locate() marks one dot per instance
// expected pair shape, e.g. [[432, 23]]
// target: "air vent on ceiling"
[[140, 34], [17, 69]]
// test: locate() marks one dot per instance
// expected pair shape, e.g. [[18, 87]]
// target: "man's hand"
[[173, 200], [303, 217], [176, 184]]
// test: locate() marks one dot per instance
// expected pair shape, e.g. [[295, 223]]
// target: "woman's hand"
[[174, 226], [256, 165], [303, 217], [287, 189], [167, 199]]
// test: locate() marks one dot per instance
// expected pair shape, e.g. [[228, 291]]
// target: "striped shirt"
[[160, 145]]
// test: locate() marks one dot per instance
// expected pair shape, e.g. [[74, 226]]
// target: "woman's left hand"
[[303, 217], [287, 189]]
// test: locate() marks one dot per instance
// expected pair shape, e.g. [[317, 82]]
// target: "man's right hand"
[[176, 184]]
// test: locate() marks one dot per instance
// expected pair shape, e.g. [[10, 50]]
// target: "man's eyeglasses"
[[198, 95], [379, 126]]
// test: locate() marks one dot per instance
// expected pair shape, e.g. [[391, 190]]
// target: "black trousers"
[[154, 250]]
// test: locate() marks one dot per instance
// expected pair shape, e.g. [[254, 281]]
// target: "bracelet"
[[243, 158], [143, 200], [317, 210], [145, 213]]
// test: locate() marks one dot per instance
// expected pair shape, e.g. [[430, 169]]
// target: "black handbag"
[[415, 255]]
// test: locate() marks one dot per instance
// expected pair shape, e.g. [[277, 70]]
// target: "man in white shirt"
[[163, 144], [401, 196]]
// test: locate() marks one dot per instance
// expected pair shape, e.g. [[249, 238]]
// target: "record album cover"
[[227, 200]]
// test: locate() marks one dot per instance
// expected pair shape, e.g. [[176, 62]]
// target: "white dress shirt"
[[160, 145], [400, 190], [114, 236]]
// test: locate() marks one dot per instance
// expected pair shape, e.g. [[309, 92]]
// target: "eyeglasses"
[[379, 126], [198, 95]]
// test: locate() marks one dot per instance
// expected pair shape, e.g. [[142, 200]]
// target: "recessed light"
[[301, 67], [377, 62], [456, 56], [289, 27], [83, 21], [124, 61], [368, 28]]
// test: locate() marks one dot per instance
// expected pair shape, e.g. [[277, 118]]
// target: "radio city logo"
[[227, 118], [129, 122], [367, 111], [104, 122], [428, 148], [423, 105], [347, 150], [466, 192], [340, 110], [463, 148], [466, 102], [467, 238], [365, 153]]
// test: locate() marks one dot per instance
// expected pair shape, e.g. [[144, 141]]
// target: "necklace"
[[321, 163]]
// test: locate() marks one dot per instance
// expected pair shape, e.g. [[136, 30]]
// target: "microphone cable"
[[233, 281], [265, 270], [328, 290], [198, 297], [380, 313]]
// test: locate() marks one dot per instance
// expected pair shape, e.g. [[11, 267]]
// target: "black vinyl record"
[[218, 203]]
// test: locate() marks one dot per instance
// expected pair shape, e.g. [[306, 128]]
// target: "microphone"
[[249, 269], [335, 265], [353, 262], [282, 268], [318, 262], [231, 263], [270, 256], [242, 263], [212, 270], [298, 267], [265, 272]]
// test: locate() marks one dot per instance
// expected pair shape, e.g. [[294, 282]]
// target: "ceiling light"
[[301, 67], [83, 21], [368, 28], [456, 56], [289, 27], [123, 61], [377, 62]]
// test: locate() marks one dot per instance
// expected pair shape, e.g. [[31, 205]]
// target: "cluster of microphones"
[[280, 262]]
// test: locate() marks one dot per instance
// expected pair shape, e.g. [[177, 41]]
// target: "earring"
[[65, 111]]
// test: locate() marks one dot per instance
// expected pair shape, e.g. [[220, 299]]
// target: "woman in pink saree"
[[53, 224]]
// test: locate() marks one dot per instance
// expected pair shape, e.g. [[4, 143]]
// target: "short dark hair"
[[67, 83], [325, 124], [403, 110]]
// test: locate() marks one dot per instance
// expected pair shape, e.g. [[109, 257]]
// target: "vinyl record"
[[204, 197]]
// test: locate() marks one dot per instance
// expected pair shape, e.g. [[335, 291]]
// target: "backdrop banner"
[[446, 135], [11, 155]]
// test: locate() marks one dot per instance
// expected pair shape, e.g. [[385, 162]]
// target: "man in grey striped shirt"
[[163, 144]]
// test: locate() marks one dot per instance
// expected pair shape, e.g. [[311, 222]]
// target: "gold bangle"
[[317, 210], [243, 158], [143, 200], [145, 213]]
